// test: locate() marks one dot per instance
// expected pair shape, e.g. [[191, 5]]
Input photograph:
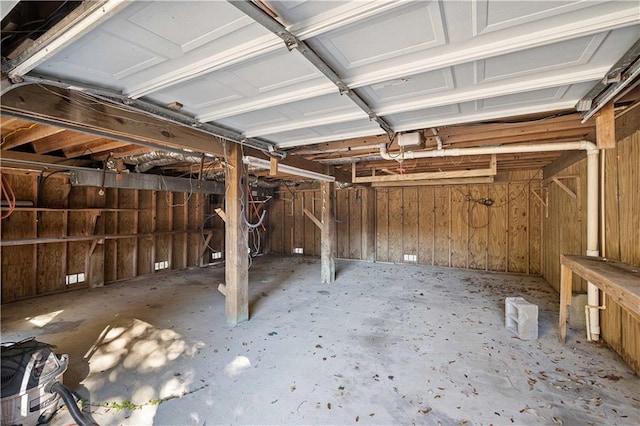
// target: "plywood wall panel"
[[459, 226], [478, 215], [442, 217], [518, 243], [355, 223], [410, 215], [535, 229], [498, 227], [395, 224], [309, 245], [565, 232], [426, 237], [342, 224], [145, 225], [382, 225], [629, 197], [51, 270], [276, 226], [298, 220]]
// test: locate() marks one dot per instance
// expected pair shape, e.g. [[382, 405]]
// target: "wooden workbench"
[[620, 281]]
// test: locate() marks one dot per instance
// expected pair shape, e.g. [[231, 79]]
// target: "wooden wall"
[[565, 229], [444, 226], [108, 238], [440, 225]]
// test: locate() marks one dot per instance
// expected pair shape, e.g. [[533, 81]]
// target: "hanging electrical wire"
[[7, 192]]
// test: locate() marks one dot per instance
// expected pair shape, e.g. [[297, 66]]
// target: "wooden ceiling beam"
[[31, 133], [93, 147], [512, 125], [55, 162], [57, 106], [551, 130], [62, 140]]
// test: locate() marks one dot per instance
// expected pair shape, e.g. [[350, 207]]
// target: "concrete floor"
[[384, 344]]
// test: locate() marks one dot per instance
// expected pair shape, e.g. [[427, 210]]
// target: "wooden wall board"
[[19, 264], [127, 224], [410, 216], [145, 225], [111, 227], [343, 220], [630, 344], [276, 225], [382, 225], [355, 223], [368, 224], [478, 227], [517, 242], [298, 220], [309, 232], [442, 217], [497, 249], [426, 236], [54, 192], [51, 273], [163, 217], [612, 210], [611, 324], [629, 199], [194, 221], [179, 249], [317, 211], [34, 269], [565, 229], [536, 210], [287, 217], [460, 208], [395, 224], [18, 276]]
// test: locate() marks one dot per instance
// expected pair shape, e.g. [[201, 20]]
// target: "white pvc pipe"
[[504, 149], [593, 295]]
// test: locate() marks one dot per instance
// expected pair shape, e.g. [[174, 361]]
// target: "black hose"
[[70, 402]]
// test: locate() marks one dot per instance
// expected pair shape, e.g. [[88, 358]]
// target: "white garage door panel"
[[312, 135], [100, 58], [416, 63], [308, 113], [494, 15], [410, 86]]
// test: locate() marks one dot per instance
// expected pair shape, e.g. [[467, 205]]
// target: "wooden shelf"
[[62, 210], [73, 238]]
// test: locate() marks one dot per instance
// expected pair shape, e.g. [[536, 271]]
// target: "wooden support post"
[[605, 127], [237, 261], [368, 224], [566, 277], [273, 170], [328, 234]]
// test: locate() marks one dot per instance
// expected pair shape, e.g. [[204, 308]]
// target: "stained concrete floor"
[[384, 344]]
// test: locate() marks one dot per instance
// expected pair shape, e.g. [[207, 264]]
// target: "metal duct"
[[147, 161]]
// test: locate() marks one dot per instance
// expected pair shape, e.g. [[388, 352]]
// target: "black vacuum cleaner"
[[32, 384]]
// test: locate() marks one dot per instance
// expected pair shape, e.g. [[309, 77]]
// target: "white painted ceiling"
[[418, 64]]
